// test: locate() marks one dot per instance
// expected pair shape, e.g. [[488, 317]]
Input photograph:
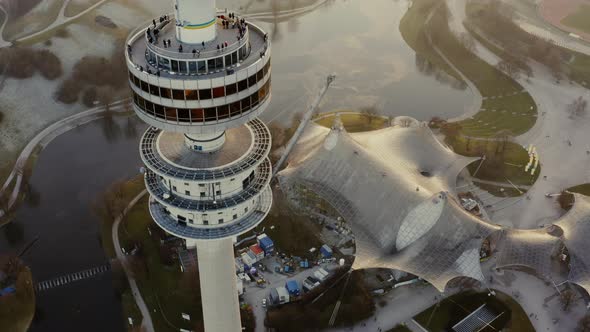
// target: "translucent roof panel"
[[527, 248], [576, 236], [401, 218]]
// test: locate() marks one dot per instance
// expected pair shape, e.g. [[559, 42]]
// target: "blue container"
[[326, 251], [292, 287]]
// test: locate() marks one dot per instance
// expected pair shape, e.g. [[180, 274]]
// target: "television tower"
[[200, 78]]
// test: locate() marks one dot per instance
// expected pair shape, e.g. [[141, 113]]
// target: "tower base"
[[219, 293]]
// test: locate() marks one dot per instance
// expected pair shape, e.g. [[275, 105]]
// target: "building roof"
[[528, 248], [256, 249], [172, 147], [576, 235], [256, 154], [394, 186]]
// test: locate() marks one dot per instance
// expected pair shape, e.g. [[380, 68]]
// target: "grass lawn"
[[399, 328], [583, 189], [167, 292], [291, 232], [76, 7], [505, 106], [495, 27], [306, 315], [580, 19], [500, 191], [130, 309], [129, 190], [357, 122], [413, 31], [38, 19], [579, 68], [17, 310], [451, 310], [502, 161]]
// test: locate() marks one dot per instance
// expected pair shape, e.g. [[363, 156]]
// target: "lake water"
[[358, 40], [68, 176]]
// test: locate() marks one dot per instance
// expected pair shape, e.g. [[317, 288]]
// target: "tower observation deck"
[[200, 79]]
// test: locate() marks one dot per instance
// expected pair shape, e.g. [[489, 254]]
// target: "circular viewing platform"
[[259, 148], [246, 44], [172, 147], [163, 218]]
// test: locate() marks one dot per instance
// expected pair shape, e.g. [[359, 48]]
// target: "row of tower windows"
[[182, 219], [198, 67], [201, 94], [234, 109]]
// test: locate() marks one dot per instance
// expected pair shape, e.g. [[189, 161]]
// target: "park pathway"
[[147, 318], [43, 138]]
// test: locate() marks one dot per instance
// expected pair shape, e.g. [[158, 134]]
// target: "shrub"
[[89, 96], [24, 62], [68, 92], [19, 62], [48, 64]]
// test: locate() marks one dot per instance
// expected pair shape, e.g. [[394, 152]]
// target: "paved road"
[[147, 319], [43, 138]]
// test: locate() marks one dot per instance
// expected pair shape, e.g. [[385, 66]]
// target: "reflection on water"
[[68, 176], [360, 42]]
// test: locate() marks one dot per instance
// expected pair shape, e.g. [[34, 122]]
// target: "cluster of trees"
[[496, 20], [96, 78], [578, 107], [357, 305], [24, 62], [112, 202]]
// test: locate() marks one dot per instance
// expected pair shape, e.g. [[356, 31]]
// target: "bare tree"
[[369, 112], [553, 62], [510, 68], [451, 131], [578, 107], [467, 41], [567, 298], [112, 202], [584, 324]]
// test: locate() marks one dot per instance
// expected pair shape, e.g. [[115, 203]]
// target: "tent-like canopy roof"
[[528, 248], [392, 186], [576, 236]]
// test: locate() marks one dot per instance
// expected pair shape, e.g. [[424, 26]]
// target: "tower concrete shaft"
[[200, 80], [195, 21], [217, 273]]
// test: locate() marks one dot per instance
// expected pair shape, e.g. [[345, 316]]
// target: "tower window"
[[186, 192]]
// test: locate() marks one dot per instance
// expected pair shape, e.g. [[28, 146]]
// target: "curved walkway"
[[60, 20], [530, 21], [477, 97], [145, 312], [3, 43], [44, 137]]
